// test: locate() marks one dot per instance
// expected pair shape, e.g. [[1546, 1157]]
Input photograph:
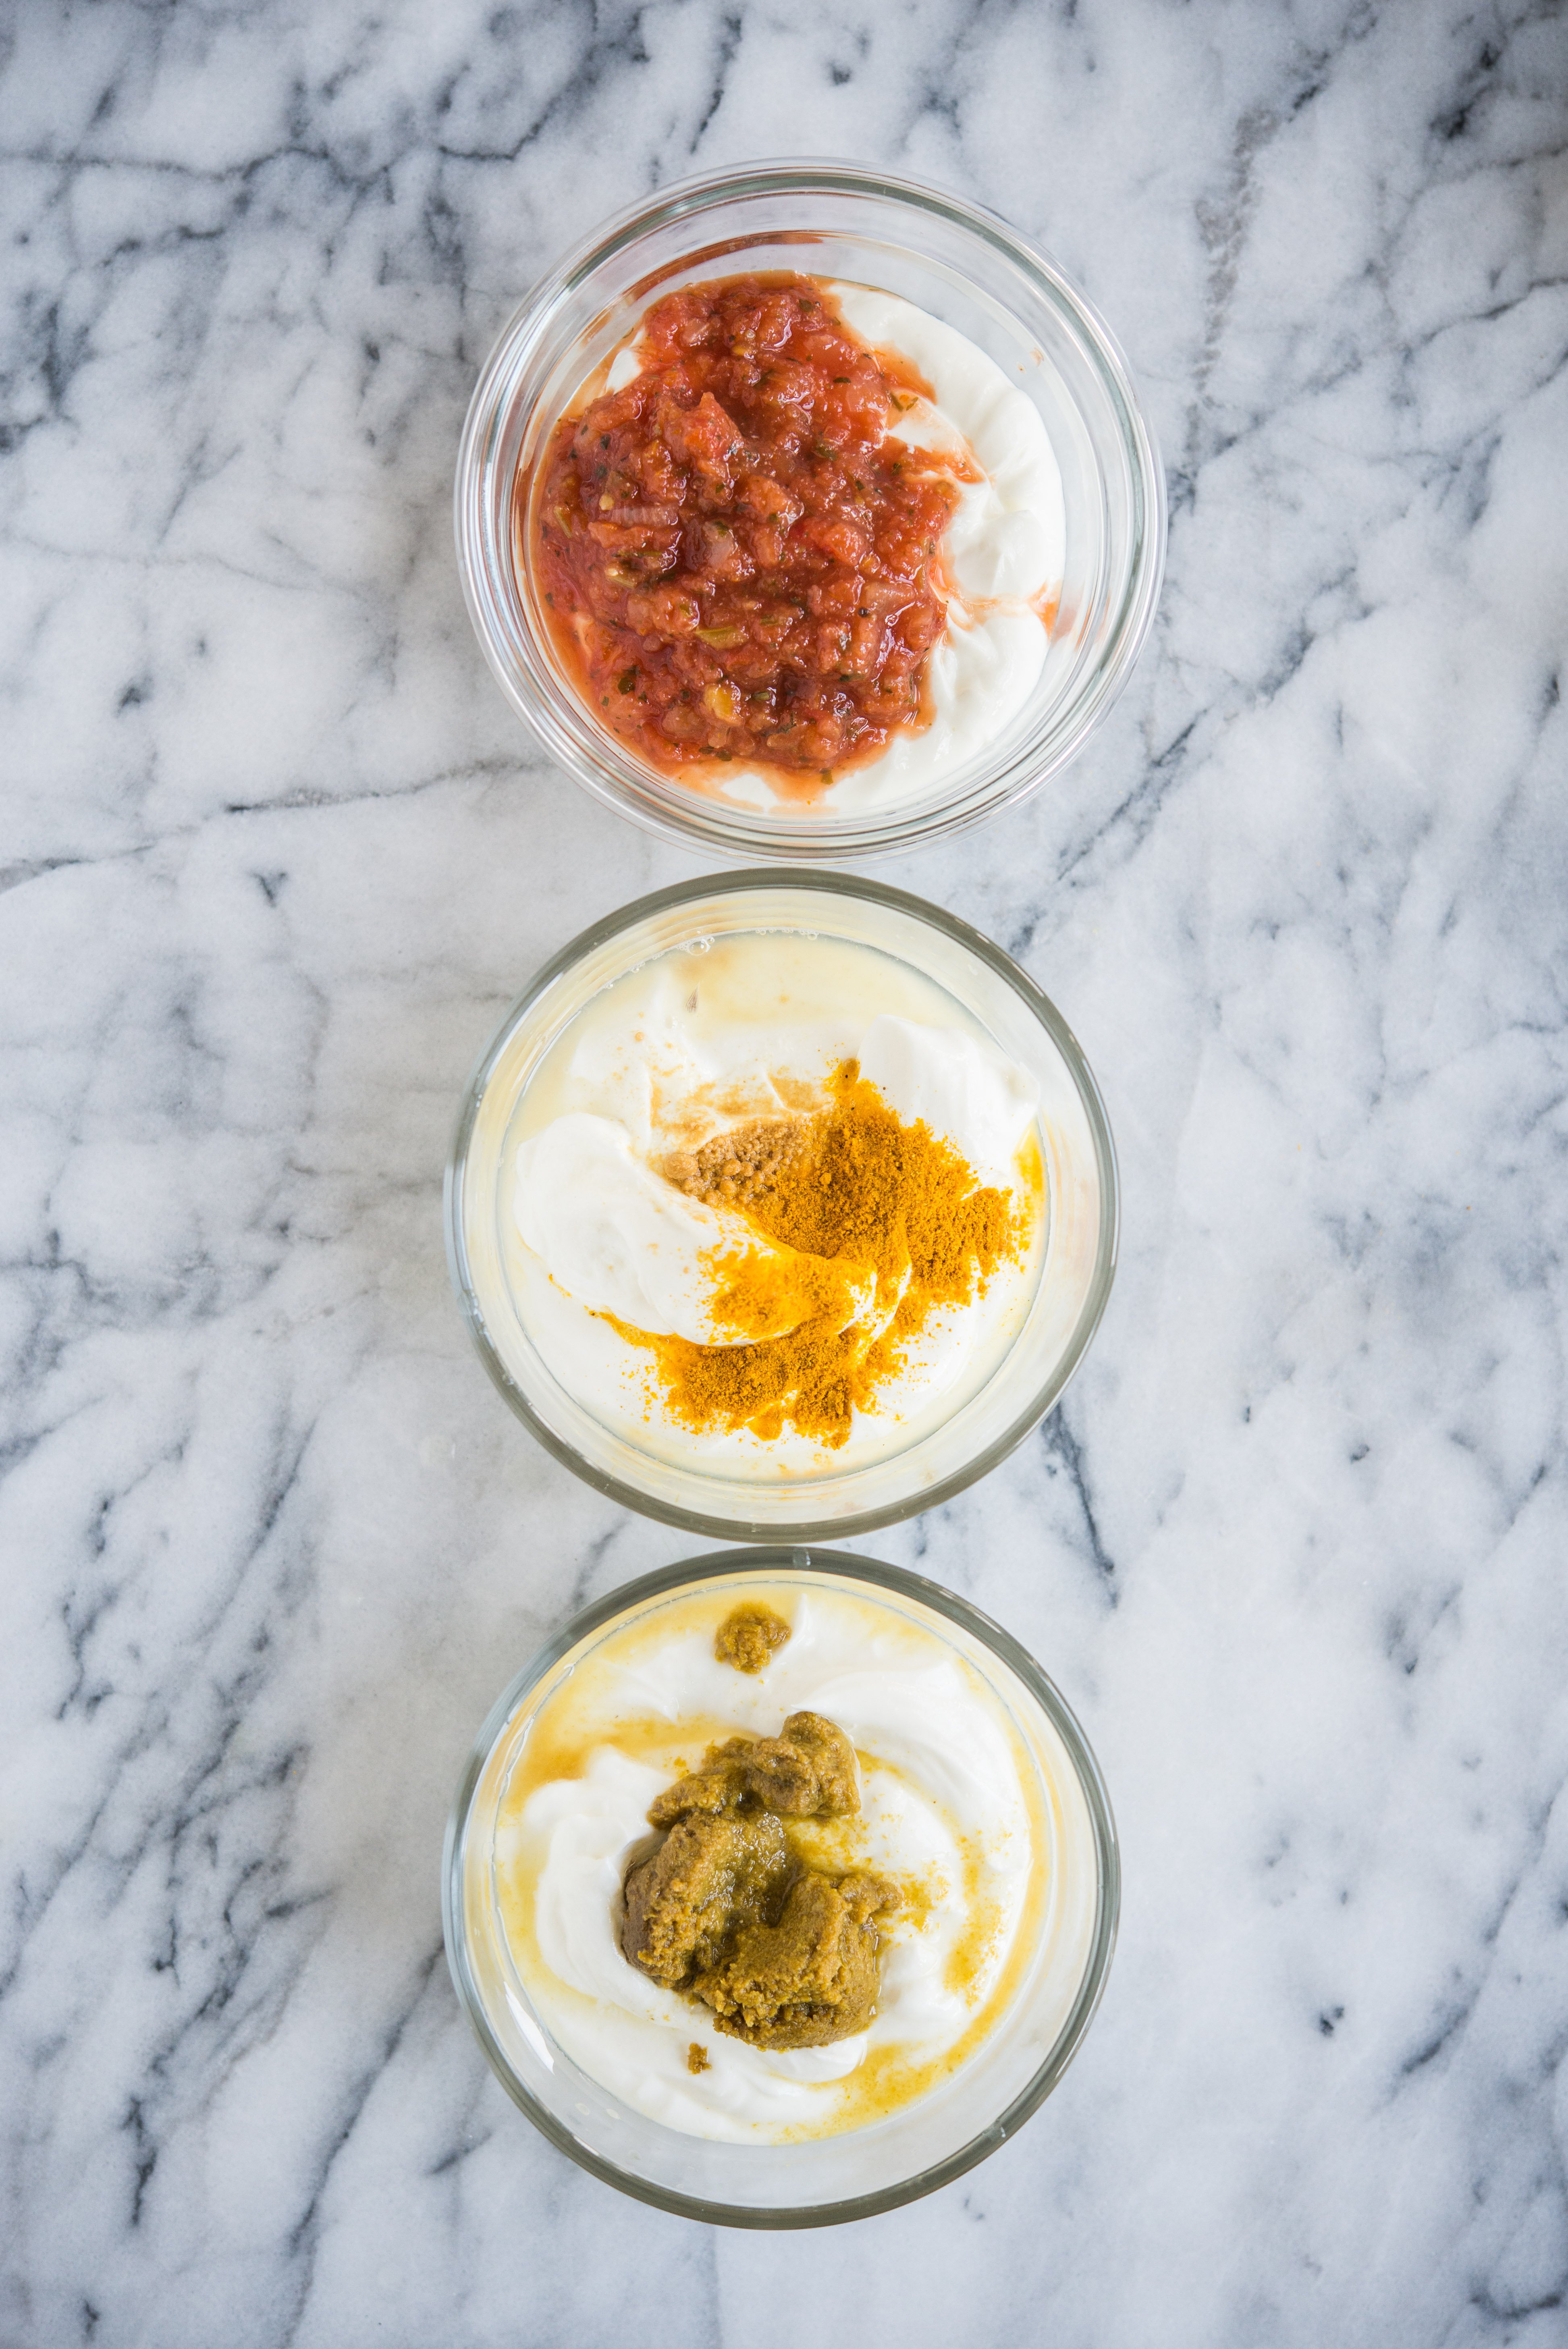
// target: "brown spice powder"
[[856, 1190]]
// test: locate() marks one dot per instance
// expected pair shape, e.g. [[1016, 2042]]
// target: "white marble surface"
[[278, 857]]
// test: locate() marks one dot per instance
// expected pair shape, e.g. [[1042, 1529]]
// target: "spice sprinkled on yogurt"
[[901, 1225], [779, 1200]]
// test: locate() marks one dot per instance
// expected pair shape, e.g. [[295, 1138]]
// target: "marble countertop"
[[276, 857]]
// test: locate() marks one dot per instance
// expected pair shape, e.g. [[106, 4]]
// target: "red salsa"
[[740, 565]]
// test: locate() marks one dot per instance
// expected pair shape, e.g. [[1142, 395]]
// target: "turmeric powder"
[[867, 1198]]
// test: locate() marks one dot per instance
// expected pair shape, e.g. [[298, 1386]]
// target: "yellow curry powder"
[[867, 1198]]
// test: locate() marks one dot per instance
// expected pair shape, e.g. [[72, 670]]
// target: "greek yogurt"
[[952, 1810], [702, 1040]]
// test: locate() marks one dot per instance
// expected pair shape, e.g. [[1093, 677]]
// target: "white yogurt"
[[1005, 551], [667, 1057], [959, 1085], [947, 1806]]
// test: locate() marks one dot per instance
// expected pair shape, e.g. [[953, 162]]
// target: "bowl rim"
[[708, 827], [760, 1558], [1022, 1424]]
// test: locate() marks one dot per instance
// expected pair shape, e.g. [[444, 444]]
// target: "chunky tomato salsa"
[[740, 563]]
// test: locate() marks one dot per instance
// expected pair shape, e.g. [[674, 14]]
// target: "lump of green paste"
[[728, 1912]]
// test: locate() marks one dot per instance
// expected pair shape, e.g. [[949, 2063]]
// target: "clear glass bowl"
[[817, 2182], [1074, 1277], [952, 259]]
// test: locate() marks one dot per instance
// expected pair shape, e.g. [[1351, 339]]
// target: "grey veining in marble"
[[276, 857]]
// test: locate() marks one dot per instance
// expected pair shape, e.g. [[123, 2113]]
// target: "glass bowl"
[[1079, 1253], [953, 259], [933, 2138]]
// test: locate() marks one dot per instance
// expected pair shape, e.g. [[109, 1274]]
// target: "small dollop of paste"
[[749, 1637], [729, 1913]]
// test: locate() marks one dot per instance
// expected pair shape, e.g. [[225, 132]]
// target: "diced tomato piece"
[[739, 565]]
